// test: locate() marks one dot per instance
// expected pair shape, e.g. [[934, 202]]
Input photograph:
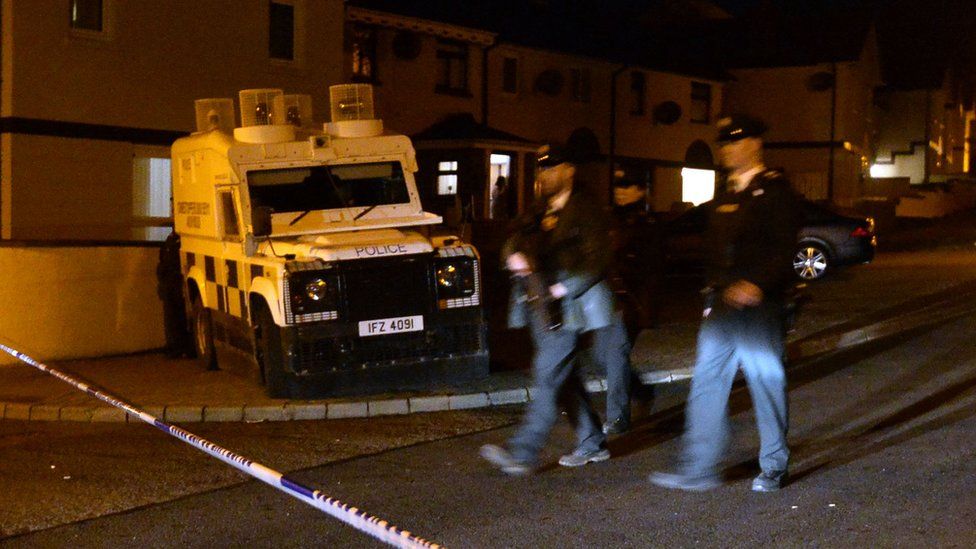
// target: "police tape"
[[352, 516]]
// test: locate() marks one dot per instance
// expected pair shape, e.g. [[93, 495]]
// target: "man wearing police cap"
[[751, 234], [558, 255]]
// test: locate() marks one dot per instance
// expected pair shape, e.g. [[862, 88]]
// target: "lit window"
[[883, 170], [281, 30], [580, 79], [510, 75], [697, 186], [447, 178], [453, 59], [701, 102], [638, 87], [151, 196], [87, 15], [363, 49]]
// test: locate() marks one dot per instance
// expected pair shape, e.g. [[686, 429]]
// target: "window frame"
[[447, 172], [297, 34], [107, 30], [368, 35], [451, 54], [581, 84], [515, 81], [638, 89], [701, 96]]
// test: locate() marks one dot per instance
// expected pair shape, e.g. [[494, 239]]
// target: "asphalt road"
[[883, 441]]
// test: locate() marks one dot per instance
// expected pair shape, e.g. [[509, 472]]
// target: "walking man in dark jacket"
[[751, 234], [558, 256]]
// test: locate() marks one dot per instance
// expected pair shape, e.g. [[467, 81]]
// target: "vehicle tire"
[[202, 331], [270, 354], [811, 261]]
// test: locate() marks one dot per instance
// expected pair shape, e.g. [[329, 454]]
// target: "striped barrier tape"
[[357, 518]]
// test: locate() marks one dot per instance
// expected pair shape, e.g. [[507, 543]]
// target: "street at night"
[[881, 436], [488, 273]]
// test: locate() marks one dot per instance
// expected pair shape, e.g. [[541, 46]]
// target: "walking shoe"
[[578, 458], [678, 481], [769, 481], [503, 459], [618, 426]]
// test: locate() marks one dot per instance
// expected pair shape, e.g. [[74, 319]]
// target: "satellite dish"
[[667, 113], [549, 82]]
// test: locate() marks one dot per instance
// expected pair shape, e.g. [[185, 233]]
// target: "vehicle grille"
[[385, 288]]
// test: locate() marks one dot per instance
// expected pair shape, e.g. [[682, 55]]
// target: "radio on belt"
[[309, 262]]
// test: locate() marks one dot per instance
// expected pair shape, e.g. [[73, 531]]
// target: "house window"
[[363, 48], [447, 178], [281, 29], [151, 195], [580, 80], [701, 102], [638, 89], [87, 15], [510, 75], [452, 56], [697, 185]]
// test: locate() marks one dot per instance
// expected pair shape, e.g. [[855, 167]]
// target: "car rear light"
[[860, 232]]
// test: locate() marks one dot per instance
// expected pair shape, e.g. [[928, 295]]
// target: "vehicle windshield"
[[328, 187]]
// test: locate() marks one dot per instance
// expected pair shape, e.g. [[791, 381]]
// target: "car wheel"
[[271, 355], [811, 262], [202, 327]]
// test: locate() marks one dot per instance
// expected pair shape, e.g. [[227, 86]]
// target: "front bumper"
[[331, 359]]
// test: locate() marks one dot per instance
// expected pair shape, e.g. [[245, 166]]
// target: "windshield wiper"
[[301, 215], [364, 212]]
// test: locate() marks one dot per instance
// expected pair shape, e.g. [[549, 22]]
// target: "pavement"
[[897, 294]]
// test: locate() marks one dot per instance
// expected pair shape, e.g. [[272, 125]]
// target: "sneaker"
[[678, 481], [769, 481], [618, 426], [579, 458], [503, 459]]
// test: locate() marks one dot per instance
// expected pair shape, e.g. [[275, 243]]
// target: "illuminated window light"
[[697, 186]]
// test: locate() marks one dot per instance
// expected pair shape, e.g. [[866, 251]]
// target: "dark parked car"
[[827, 239]]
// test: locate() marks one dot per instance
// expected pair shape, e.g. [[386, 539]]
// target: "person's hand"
[[558, 291], [518, 264], [742, 293]]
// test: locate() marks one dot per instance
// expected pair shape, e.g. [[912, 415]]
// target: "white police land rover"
[[309, 262]]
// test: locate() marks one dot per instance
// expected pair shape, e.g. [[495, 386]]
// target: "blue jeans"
[[611, 349], [729, 338], [557, 382]]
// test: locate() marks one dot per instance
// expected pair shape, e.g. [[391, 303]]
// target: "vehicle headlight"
[[313, 294], [317, 289], [455, 278]]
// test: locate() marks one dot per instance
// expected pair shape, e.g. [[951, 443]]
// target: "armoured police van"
[[310, 264]]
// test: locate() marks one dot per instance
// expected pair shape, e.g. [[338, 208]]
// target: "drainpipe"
[[833, 131], [612, 152]]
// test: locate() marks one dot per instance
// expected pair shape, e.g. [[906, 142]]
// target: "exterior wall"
[[145, 71], [542, 118], [74, 302], [404, 94], [815, 133]]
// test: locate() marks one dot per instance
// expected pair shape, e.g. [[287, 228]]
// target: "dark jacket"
[[751, 235], [576, 253]]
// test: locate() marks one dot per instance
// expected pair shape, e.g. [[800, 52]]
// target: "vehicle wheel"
[[271, 356], [811, 262], [202, 328]]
